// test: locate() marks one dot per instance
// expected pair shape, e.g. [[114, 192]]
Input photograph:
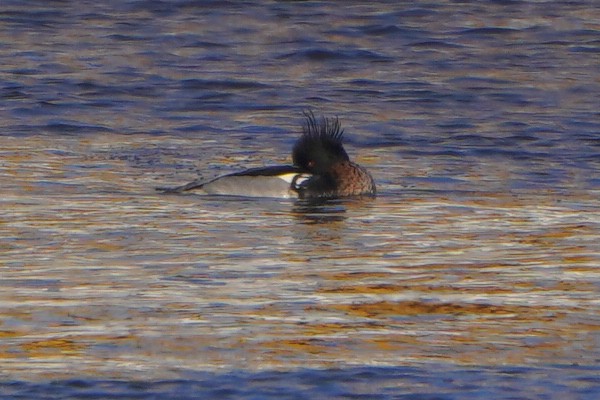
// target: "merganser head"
[[320, 146]]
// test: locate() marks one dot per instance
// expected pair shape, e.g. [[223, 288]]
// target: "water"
[[353, 382], [473, 274]]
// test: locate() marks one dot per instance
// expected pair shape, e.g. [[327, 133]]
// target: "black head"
[[320, 145]]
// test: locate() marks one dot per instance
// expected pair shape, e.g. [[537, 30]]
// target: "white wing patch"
[[294, 177]]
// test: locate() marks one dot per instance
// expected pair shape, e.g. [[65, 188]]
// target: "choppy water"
[[474, 274]]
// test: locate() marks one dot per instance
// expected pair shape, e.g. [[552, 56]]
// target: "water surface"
[[473, 274]]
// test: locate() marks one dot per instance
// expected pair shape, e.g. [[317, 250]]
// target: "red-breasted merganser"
[[321, 169]]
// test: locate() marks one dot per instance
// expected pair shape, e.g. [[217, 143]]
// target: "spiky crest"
[[320, 145]]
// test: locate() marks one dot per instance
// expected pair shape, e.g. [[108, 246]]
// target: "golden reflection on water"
[[102, 276]]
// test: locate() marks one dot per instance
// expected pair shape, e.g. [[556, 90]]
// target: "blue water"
[[432, 382], [451, 105]]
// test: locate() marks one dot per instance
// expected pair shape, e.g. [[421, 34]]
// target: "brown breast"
[[352, 179]]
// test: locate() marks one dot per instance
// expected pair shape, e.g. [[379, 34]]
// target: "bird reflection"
[[326, 210]]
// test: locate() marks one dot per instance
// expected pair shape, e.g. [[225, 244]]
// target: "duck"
[[320, 168]]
